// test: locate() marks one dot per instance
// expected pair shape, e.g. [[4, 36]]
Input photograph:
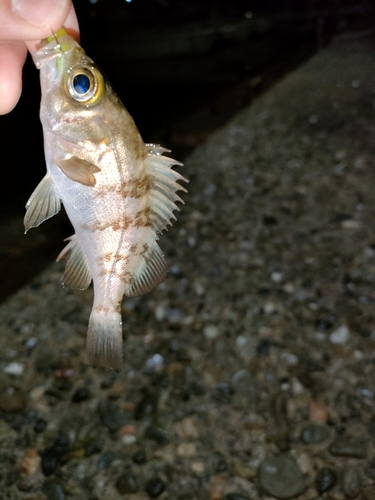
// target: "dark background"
[[182, 68]]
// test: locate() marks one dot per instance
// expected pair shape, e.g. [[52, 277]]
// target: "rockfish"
[[118, 192]]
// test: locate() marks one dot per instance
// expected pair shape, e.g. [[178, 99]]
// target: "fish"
[[118, 192]]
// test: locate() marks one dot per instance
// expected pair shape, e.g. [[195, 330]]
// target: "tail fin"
[[104, 340]]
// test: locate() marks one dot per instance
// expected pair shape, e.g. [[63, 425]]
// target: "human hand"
[[23, 23]]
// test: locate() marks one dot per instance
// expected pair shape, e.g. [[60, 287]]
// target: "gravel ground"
[[249, 373]]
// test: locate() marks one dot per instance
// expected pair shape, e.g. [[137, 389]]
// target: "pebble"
[[40, 425], [198, 467], [340, 336], [346, 446], [12, 399], [223, 392], [314, 434], [80, 394], [127, 483], [30, 462], [53, 490], [186, 450], [221, 465], [14, 368], [51, 457], [155, 487], [105, 460], [113, 417], [217, 487], [210, 332], [325, 479], [351, 482], [281, 476], [156, 434], [187, 428], [147, 406], [140, 457]]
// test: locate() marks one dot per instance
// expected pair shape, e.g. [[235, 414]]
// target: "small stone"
[[155, 487], [223, 392], [53, 490], [314, 434], [198, 467], [127, 483], [187, 428], [211, 332], [217, 487], [351, 482], [81, 394], [93, 446], [113, 417], [147, 406], [197, 389], [12, 399], [40, 425], [318, 412], [326, 479], [140, 457], [186, 450], [51, 457], [30, 462], [156, 434], [340, 336], [14, 368], [155, 364], [105, 460], [281, 476], [346, 446], [221, 465], [277, 277]]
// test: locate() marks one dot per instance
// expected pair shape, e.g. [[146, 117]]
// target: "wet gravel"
[[249, 373]]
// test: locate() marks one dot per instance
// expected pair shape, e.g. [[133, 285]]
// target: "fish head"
[[70, 80]]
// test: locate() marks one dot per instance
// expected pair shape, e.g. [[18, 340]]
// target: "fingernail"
[[38, 12]]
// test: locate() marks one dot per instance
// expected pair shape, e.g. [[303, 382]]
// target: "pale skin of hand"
[[40, 18]]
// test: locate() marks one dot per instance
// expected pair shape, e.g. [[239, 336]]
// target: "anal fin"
[[77, 273], [42, 204], [150, 270]]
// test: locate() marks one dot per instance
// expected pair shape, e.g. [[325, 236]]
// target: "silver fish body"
[[118, 192]]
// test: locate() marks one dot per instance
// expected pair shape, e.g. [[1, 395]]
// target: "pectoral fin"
[[42, 204], [79, 170], [77, 273]]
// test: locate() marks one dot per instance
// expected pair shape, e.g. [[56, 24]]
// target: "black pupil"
[[81, 83]]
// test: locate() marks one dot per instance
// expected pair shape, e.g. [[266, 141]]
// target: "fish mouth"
[[55, 46]]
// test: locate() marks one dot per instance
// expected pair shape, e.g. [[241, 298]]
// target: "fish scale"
[[119, 193]]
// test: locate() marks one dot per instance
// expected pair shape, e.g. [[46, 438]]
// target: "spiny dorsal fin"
[[79, 170], [163, 195], [77, 273], [150, 269], [42, 204]]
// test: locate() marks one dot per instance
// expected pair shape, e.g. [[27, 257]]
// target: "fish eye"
[[85, 84]]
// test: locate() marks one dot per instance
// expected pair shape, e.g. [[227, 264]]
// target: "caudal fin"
[[104, 340]]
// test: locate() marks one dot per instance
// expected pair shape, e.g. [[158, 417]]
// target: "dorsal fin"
[[163, 195]]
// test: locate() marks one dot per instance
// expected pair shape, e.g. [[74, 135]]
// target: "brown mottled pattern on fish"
[[118, 192]]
